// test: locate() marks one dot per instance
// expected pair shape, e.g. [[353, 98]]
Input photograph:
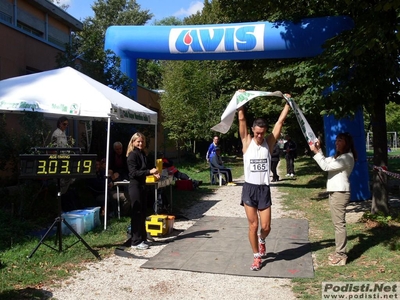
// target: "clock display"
[[57, 165]]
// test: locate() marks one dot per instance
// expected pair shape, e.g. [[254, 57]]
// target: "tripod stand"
[[58, 223]]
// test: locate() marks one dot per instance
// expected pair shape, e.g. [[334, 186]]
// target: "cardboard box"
[[170, 223], [184, 185]]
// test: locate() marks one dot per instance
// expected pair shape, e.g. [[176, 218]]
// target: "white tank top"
[[257, 161]]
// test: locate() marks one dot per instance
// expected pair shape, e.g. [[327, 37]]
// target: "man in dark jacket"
[[290, 149], [274, 162], [117, 161]]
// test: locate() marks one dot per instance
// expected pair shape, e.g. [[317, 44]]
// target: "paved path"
[[123, 278]]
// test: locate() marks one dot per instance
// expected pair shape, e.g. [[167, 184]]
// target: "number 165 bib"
[[259, 165]]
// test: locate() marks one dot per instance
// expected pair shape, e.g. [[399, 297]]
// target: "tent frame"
[[47, 92]]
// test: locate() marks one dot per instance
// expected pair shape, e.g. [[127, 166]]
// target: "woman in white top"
[[339, 168], [59, 138]]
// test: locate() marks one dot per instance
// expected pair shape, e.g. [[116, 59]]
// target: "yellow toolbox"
[[151, 178], [157, 225]]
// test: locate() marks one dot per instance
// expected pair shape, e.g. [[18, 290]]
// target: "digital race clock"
[[57, 165]]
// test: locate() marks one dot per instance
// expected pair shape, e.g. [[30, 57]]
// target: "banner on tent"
[[126, 114], [71, 108]]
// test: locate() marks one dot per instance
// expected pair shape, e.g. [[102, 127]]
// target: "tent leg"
[[106, 179]]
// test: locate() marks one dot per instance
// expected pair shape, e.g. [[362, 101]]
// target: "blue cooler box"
[[76, 222], [96, 215], [88, 218]]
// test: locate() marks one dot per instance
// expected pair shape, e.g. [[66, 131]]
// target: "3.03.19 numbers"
[[64, 167]]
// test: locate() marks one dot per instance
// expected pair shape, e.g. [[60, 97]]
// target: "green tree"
[[149, 70], [393, 117], [225, 77], [168, 21], [254, 74], [87, 53], [188, 101], [34, 132], [88, 44], [362, 63], [59, 4]]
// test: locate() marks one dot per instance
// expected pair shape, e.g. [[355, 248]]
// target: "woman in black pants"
[[138, 167]]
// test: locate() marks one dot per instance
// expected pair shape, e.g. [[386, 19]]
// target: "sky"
[[161, 9]]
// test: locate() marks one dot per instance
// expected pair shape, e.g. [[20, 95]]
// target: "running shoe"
[[261, 249], [331, 256], [141, 246], [256, 266], [338, 260], [148, 243]]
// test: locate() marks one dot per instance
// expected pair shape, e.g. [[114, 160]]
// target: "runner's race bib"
[[258, 165]]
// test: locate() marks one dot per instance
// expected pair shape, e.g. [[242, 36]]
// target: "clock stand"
[[32, 164]]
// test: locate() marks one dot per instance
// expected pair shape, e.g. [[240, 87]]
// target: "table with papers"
[[163, 182]]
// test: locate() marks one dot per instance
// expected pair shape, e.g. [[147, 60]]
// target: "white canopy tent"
[[68, 92]]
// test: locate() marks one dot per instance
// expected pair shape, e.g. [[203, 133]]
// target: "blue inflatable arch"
[[238, 41]]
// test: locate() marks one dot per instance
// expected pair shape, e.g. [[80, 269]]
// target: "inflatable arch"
[[238, 41]]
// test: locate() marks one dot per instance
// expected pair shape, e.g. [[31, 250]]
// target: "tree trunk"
[[179, 151], [379, 141]]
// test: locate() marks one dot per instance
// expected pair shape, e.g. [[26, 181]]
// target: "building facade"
[[32, 34]]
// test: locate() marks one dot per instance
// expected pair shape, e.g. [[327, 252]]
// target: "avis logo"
[[217, 39]]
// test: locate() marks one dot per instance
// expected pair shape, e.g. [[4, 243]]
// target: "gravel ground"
[[122, 278]]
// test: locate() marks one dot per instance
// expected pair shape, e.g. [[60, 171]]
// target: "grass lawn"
[[22, 278], [373, 252]]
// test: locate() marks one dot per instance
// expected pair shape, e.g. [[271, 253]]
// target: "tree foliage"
[[189, 99], [60, 4], [226, 77], [34, 131], [358, 68], [363, 66], [88, 44], [87, 53], [393, 117], [149, 71]]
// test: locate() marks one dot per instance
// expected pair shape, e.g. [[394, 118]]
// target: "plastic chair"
[[215, 175]]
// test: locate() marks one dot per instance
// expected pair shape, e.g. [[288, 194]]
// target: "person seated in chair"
[[97, 186], [172, 170], [217, 163], [117, 161]]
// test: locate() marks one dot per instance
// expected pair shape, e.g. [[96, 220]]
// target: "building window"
[[29, 29], [5, 17], [57, 42]]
